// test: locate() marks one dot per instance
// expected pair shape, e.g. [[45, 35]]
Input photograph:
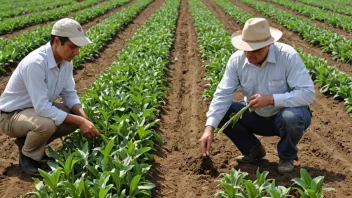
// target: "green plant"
[[308, 187], [234, 118]]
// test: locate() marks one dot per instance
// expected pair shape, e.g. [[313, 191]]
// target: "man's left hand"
[[258, 101]]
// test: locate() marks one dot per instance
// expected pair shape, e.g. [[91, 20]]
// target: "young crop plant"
[[308, 187], [214, 44], [236, 185], [103, 32], [340, 7], [15, 8], [234, 118], [333, 19], [332, 80], [123, 104]]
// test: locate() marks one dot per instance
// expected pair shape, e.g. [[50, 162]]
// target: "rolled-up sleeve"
[[34, 80], [223, 96], [302, 87]]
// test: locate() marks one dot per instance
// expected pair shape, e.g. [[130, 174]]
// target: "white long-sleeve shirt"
[[37, 82], [283, 75]]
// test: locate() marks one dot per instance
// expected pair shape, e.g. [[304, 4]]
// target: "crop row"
[[103, 32], [331, 5], [214, 45], [25, 7], [16, 48], [123, 104], [333, 19], [40, 17], [338, 46]]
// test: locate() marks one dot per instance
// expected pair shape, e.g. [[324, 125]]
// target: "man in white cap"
[[275, 83], [28, 110]]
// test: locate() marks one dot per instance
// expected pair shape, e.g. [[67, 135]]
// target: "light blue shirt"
[[37, 82], [283, 75]]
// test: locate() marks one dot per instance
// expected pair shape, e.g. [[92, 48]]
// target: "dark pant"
[[289, 124]]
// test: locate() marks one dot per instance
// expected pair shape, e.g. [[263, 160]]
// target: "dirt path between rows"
[[19, 31], [178, 162], [295, 40], [13, 181]]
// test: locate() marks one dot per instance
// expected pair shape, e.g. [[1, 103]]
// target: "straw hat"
[[256, 34]]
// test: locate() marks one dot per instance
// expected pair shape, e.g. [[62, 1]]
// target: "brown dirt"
[[179, 169], [13, 180], [178, 161]]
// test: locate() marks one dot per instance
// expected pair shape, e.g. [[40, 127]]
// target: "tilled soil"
[[13, 180]]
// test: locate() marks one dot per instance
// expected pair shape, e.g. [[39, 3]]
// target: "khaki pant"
[[39, 131]]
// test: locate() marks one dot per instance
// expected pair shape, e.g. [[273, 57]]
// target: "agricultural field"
[[147, 83]]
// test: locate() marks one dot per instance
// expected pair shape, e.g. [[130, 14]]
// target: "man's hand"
[[88, 129], [258, 101], [206, 140]]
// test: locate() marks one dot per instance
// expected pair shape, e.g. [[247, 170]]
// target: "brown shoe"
[[255, 154]]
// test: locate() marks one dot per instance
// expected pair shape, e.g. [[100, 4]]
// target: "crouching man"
[[28, 110], [275, 82]]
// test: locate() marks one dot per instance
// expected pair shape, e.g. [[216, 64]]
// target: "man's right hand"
[[206, 140], [88, 129]]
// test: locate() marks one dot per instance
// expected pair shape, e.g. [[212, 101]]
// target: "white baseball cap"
[[72, 29]]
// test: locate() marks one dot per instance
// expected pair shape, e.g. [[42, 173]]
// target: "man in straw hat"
[[275, 83], [28, 110]]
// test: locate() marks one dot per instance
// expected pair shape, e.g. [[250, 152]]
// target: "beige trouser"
[[40, 131]]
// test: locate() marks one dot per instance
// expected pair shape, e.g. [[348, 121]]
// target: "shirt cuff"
[[211, 121], [279, 100], [70, 102], [60, 117]]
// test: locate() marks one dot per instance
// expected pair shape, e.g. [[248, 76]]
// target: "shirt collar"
[[50, 56], [271, 58]]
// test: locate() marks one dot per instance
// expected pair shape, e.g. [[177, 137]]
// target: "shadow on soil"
[[15, 170]]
